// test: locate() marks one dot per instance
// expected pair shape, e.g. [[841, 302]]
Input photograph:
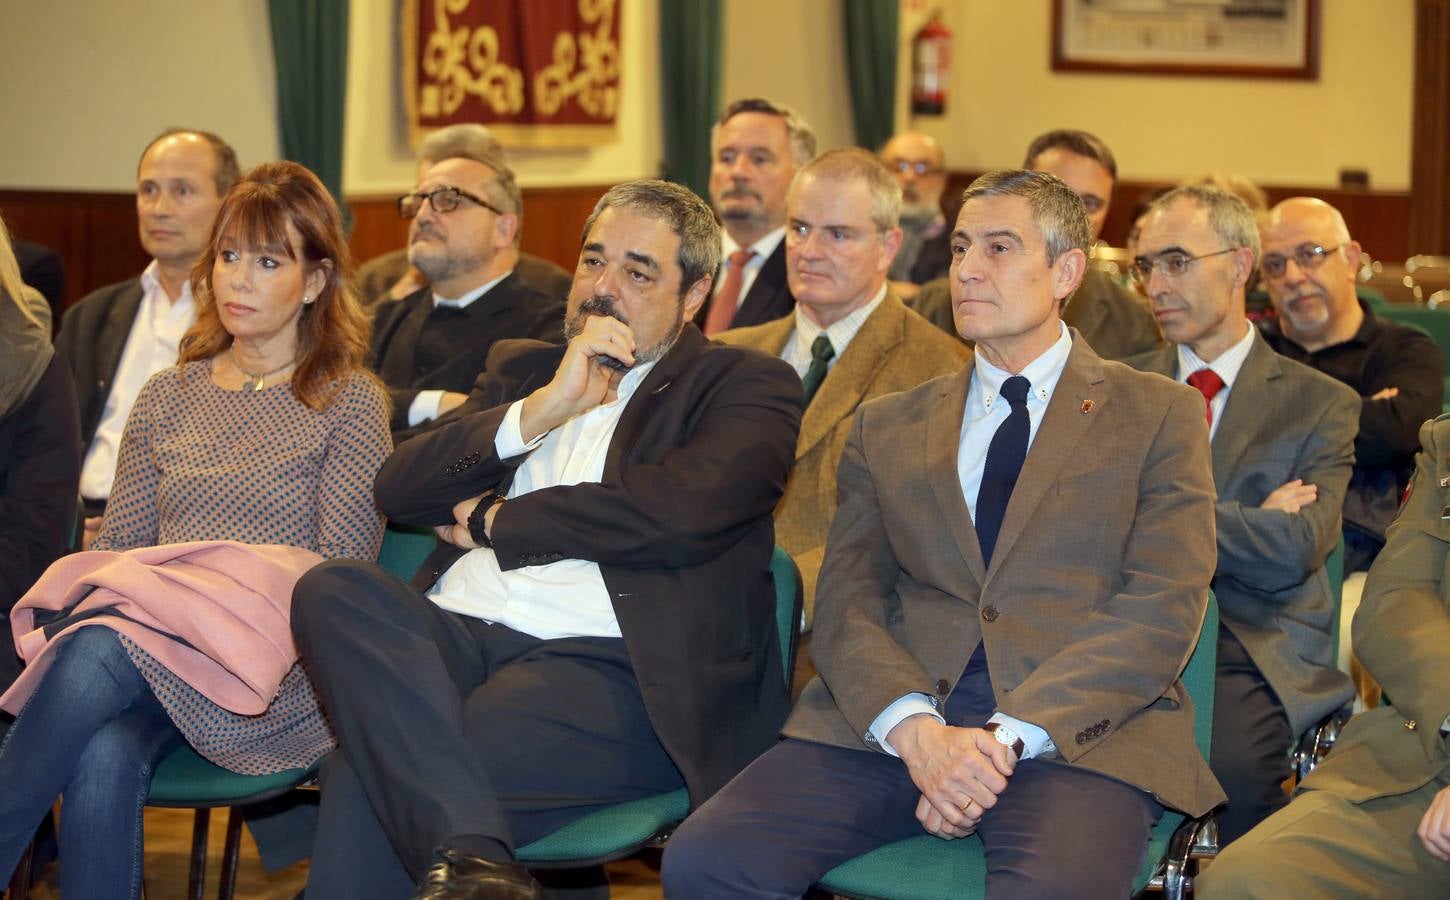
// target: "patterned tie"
[[1208, 384], [821, 354], [723, 309], [1004, 463]]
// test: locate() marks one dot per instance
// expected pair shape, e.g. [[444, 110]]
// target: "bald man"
[[1309, 267], [919, 165]]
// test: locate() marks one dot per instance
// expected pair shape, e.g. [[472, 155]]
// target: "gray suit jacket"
[[1096, 591], [1282, 421]]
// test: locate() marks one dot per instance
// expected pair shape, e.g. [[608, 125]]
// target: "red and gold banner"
[[538, 73]]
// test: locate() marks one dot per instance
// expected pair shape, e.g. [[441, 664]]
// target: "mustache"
[[601, 306], [740, 190], [422, 228]]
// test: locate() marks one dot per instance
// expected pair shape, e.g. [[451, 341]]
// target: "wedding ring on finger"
[[967, 807]]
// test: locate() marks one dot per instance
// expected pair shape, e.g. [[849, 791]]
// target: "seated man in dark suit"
[[1283, 442], [1111, 318], [120, 335], [919, 165], [1373, 820], [430, 346], [598, 624], [392, 277], [755, 150], [42, 269], [1310, 268], [1017, 573]]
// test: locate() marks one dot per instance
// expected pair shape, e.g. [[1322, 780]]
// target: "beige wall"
[[378, 159], [1357, 115], [88, 83]]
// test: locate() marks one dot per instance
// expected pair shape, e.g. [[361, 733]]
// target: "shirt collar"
[[631, 381], [151, 283], [840, 331], [763, 248], [464, 301], [1226, 367], [1042, 373]]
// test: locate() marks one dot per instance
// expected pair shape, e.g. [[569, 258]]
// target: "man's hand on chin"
[[959, 771], [584, 379]]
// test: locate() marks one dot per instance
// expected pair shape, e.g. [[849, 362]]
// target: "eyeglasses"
[[905, 165], [1308, 256], [444, 200], [1171, 264]]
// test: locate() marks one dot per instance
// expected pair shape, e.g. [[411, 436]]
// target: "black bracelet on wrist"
[[478, 518]]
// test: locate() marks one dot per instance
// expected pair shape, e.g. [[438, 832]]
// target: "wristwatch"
[[477, 518], [1006, 737]]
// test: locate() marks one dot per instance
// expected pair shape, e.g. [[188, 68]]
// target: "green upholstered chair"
[[929, 868], [1316, 743], [1434, 322], [620, 830]]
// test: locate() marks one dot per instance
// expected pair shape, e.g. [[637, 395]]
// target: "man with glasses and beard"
[[1309, 267], [597, 624], [430, 346], [917, 162]]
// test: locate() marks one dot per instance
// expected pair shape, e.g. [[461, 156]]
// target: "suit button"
[[989, 613], [1082, 737], [942, 687]]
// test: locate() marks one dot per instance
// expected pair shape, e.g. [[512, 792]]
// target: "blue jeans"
[[92, 732]]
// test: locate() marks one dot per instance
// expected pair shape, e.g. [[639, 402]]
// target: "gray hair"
[[1057, 210], [1082, 143], [855, 164], [228, 170], [689, 217], [1229, 216], [802, 138], [464, 141]]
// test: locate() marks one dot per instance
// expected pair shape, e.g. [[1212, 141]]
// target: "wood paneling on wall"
[[96, 232], [1429, 212]]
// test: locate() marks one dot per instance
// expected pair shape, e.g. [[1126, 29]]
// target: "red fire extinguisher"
[[931, 51]]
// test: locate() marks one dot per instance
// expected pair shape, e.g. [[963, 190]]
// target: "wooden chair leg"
[[231, 850], [196, 882], [20, 880]]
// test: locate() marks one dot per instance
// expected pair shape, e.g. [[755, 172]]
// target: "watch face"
[[1004, 735]]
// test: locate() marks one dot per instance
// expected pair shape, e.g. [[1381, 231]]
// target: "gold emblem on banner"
[[596, 57], [462, 61]]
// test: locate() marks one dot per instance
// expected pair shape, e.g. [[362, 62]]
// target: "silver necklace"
[[253, 381]]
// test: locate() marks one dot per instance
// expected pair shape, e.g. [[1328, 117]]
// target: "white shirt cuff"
[[1035, 741], [424, 407], [891, 716], [510, 438]]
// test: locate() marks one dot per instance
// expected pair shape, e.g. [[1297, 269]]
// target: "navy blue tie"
[[1004, 463]]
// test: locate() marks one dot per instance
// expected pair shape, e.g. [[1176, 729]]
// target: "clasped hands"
[[583, 381], [960, 772]]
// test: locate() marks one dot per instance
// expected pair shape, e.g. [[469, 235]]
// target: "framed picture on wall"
[[1234, 38]]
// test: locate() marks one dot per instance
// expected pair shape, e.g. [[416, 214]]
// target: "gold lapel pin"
[[1087, 407]]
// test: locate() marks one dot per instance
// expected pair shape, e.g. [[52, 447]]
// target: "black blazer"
[[768, 299], [510, 309], [92, 338], [43, 269], [680, 526]]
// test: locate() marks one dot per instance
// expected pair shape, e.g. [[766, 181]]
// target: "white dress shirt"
[[562, 599], [763, 248], [151, 346], [1227, 367], [424, 407], [797, 350], [984, 414]]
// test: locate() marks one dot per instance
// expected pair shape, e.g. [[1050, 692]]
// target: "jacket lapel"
[[1074, 406], [647, 397], [853, 373], [1237, 426], [119, 320], [943, 438]]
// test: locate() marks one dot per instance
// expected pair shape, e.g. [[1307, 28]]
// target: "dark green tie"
[[821, 354]]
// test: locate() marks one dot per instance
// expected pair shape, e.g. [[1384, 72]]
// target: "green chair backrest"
[[789, 597], [1198, 677], [404, 549], [1335, 567]]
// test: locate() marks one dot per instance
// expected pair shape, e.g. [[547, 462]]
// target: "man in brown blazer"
[[841, 236], [1373, 820], [1014, 580], [1282, 437]]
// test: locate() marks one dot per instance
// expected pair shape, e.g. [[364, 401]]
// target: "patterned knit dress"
[[200, 462]]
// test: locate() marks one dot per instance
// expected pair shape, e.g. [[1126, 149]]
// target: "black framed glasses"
[[444, 200], [1308, 256], [920, 168], [1171, 264]]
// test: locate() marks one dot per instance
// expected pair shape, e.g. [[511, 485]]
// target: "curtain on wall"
[[871, 63], [309, 44], [690, 39]]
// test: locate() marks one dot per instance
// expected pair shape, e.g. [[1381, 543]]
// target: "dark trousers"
[[802, 809], [450, 726], [1251, 741]]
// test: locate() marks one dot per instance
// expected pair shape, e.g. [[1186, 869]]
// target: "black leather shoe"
[[457, 875]]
